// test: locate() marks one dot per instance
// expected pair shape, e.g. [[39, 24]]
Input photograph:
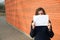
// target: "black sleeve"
[[51, 33], [32, 32]]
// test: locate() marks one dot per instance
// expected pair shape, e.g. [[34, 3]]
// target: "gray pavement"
[[8, 32]]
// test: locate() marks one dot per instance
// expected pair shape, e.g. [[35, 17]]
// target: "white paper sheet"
[[41, 20]]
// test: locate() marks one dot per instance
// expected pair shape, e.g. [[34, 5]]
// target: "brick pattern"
[[20, 12]]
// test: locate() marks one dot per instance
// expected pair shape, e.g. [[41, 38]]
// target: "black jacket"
[[41, 33]]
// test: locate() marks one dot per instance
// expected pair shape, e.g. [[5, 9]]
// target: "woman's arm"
[[32, 31], [50, 31]]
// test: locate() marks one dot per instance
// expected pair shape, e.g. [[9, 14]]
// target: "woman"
[[41, 32]]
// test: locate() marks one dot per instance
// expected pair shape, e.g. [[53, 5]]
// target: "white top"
[[41, 20]]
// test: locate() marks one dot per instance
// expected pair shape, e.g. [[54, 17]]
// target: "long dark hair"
[[39, 9]]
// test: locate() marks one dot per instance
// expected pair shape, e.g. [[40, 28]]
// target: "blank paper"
[[41, 20]]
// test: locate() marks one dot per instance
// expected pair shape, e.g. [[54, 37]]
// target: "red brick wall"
[[20, 12]]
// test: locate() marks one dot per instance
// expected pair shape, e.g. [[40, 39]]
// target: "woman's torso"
[[41, 33]]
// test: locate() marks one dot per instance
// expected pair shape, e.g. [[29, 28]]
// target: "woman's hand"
[[33, 25], [49, 26]]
